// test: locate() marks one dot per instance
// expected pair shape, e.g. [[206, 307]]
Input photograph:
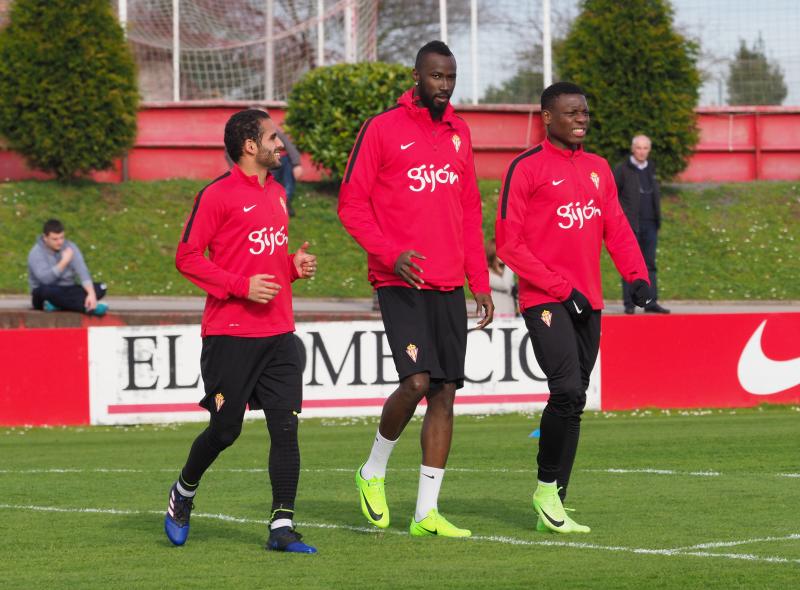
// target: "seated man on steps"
[[54, 264]]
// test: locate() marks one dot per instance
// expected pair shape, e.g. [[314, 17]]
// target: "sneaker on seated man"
[[55, 265]]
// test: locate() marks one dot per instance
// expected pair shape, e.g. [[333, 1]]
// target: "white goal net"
[[242, 49]]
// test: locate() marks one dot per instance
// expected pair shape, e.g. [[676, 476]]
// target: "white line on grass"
[[656, 471], [792, 537], [612, 470], [678, 552]]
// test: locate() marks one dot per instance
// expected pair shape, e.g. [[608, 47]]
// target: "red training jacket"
[[556, 209], [410, 185], [245, 228]]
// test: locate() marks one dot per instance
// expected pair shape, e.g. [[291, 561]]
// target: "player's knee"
[[221, 438], [442, 398], [416, 385], [567, 403]]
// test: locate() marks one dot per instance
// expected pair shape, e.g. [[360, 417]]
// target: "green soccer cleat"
[[551, 512], [436, 525], [373, 499], [542, 528]]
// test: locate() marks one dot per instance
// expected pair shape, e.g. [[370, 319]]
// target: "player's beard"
[[436, 110], [269, 159]]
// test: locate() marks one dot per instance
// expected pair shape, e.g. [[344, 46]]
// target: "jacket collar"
[[415, 107], [568, 154], [251, 180]]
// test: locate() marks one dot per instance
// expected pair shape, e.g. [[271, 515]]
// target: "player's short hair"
[[552, 92], [240, 127], [439, 47], [53, 226]]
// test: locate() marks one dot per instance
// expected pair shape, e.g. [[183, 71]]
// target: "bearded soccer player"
[[249, 354], [557, 206], [410, 199]]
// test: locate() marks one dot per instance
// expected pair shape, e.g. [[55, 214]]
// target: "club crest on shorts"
[[547, 317], [595, 179], [283, 204], [219, 399], [456, 142], [412, 351]]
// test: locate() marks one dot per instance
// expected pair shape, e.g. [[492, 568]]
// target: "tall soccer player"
[[410, 199], [557, 206], [249, 354]]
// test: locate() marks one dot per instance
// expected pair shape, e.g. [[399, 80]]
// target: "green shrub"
[[328, 105], [639, 75], [68, 97]]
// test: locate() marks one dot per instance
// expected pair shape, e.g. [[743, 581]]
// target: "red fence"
[[184, 140]]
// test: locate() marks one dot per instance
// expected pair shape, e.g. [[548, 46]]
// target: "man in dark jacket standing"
[[640, 197]]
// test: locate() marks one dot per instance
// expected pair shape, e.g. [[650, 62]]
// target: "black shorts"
[[427, 332], [264, 373]]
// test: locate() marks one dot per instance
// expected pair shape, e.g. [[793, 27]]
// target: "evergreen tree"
[[752, 79], [639, 75], [68, 97]]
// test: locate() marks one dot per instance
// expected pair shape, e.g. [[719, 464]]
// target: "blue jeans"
[[648, 241], [68, 298], [285, 175]]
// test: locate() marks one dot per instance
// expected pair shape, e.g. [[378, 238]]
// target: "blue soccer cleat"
[[99, 311], [176, 521], [289, 540]]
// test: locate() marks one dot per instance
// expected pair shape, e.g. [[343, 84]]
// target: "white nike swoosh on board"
[[556, 183], [407, 145], [247, 209], [760, 375]]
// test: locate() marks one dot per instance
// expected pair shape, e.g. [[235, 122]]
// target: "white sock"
[[430, 482], [276, 524], [378, 458], [184, 492]]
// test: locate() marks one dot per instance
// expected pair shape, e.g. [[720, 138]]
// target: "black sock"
[[284, 461]]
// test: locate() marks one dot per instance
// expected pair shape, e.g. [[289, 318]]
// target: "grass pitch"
[[675, 500]]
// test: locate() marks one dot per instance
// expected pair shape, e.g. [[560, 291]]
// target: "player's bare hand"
[[404, 267], [485, 305], [305, 263], [261, 289]]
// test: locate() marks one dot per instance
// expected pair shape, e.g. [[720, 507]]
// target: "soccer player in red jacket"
[[249, 354], [410, 199], [558, 205]]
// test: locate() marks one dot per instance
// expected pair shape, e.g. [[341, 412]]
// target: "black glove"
[[578, 306], [640, 293]]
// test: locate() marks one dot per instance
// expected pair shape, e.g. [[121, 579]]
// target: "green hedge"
[[68, 97], [327, 107]]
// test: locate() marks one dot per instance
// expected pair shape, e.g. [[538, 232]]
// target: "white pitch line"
[[653, 471], [716, 545], [610, 470], [679, 552]]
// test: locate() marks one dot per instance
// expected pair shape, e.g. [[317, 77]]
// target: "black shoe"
[[290, 210], [655, 308], [630, 309], [289, 540]]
